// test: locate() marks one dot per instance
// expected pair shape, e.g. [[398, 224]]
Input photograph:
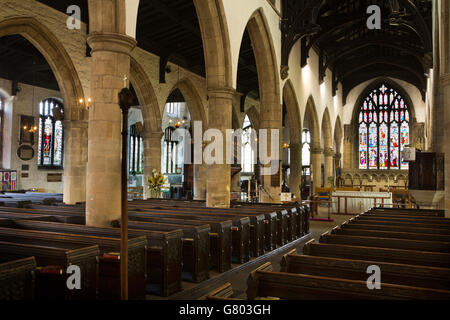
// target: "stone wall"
[[26, 102]]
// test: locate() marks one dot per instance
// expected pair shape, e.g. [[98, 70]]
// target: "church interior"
[[135, 138]]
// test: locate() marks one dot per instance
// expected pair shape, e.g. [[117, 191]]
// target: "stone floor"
[[239, 274]]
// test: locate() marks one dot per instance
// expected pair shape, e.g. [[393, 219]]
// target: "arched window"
[[51, 134], [170, 148], [136, 161], [247, 152], [383, 130], [306, 151]]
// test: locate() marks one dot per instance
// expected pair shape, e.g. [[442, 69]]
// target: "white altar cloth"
[[354, 202]]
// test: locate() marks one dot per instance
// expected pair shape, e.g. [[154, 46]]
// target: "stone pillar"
[[329, 172], [316, 164], [200, 172], [218, 178], [271, 121], [444, 91], [109, 70], [295, 168], [75, 155], [348, 146], [152, 157]]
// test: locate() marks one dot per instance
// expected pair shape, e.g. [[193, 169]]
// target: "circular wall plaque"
[[25, 152]]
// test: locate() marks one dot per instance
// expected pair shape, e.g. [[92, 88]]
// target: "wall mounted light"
[[84, 103]]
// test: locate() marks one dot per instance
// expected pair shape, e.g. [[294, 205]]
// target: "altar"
[[354, 202]]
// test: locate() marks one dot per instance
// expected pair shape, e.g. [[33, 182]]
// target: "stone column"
[[295, 168], [218, 178], [110, 68], [75, 158], [328, 153], [316, 163], [152, 157], [200, 172], [271, 121], [348, 146], [444, 92]]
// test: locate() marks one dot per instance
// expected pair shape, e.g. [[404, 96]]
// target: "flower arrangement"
[[156, 183]]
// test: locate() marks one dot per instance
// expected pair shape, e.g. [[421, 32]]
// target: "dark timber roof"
[[337, 30]]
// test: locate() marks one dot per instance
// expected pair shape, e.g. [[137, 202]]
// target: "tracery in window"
[[383, 130]]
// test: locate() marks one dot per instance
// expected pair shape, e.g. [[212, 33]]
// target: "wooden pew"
[[418, 212], [240, 231], [412, 225], [240, 235], [67, 217], [257, 219], [224, 292], [85, 258], [108, 270], [17, 279], [354, 224], [263, 282], [195, 246], [394, 273], [444, 223], [247, 236], [42, 217], [406, 244], [348, 230], [414, 257], [220, 236], [164, 250]]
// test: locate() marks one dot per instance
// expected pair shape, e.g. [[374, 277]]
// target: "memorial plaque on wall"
[[54, 177], [25, 152]]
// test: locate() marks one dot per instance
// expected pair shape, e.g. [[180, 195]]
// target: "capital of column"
[[316, 150], [110, 41], [328, 152], [338, 156], [221, 93]]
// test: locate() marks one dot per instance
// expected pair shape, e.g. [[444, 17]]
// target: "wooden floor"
[[239, 274]]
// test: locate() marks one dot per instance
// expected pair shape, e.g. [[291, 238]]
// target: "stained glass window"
[[383, 129], [51, 133], [136, 153], [247, 146], [306, 151]]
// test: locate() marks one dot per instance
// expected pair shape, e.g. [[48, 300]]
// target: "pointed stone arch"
[[310, 115], [293, 112], [270, 96], [338, 134], [216, 43], [75, 126], [253, 116], [57, 57], [326, 130], [196, 105], [146, 96]]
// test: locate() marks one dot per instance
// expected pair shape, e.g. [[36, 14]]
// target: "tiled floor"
[[239, 274]]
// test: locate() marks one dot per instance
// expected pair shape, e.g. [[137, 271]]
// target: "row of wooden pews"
[[168, 242], [411, 248]]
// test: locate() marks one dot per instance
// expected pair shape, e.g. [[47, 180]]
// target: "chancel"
[[224, 150]]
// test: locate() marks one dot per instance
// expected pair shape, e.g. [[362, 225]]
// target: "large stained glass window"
[[51, 134], [383, 130]]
